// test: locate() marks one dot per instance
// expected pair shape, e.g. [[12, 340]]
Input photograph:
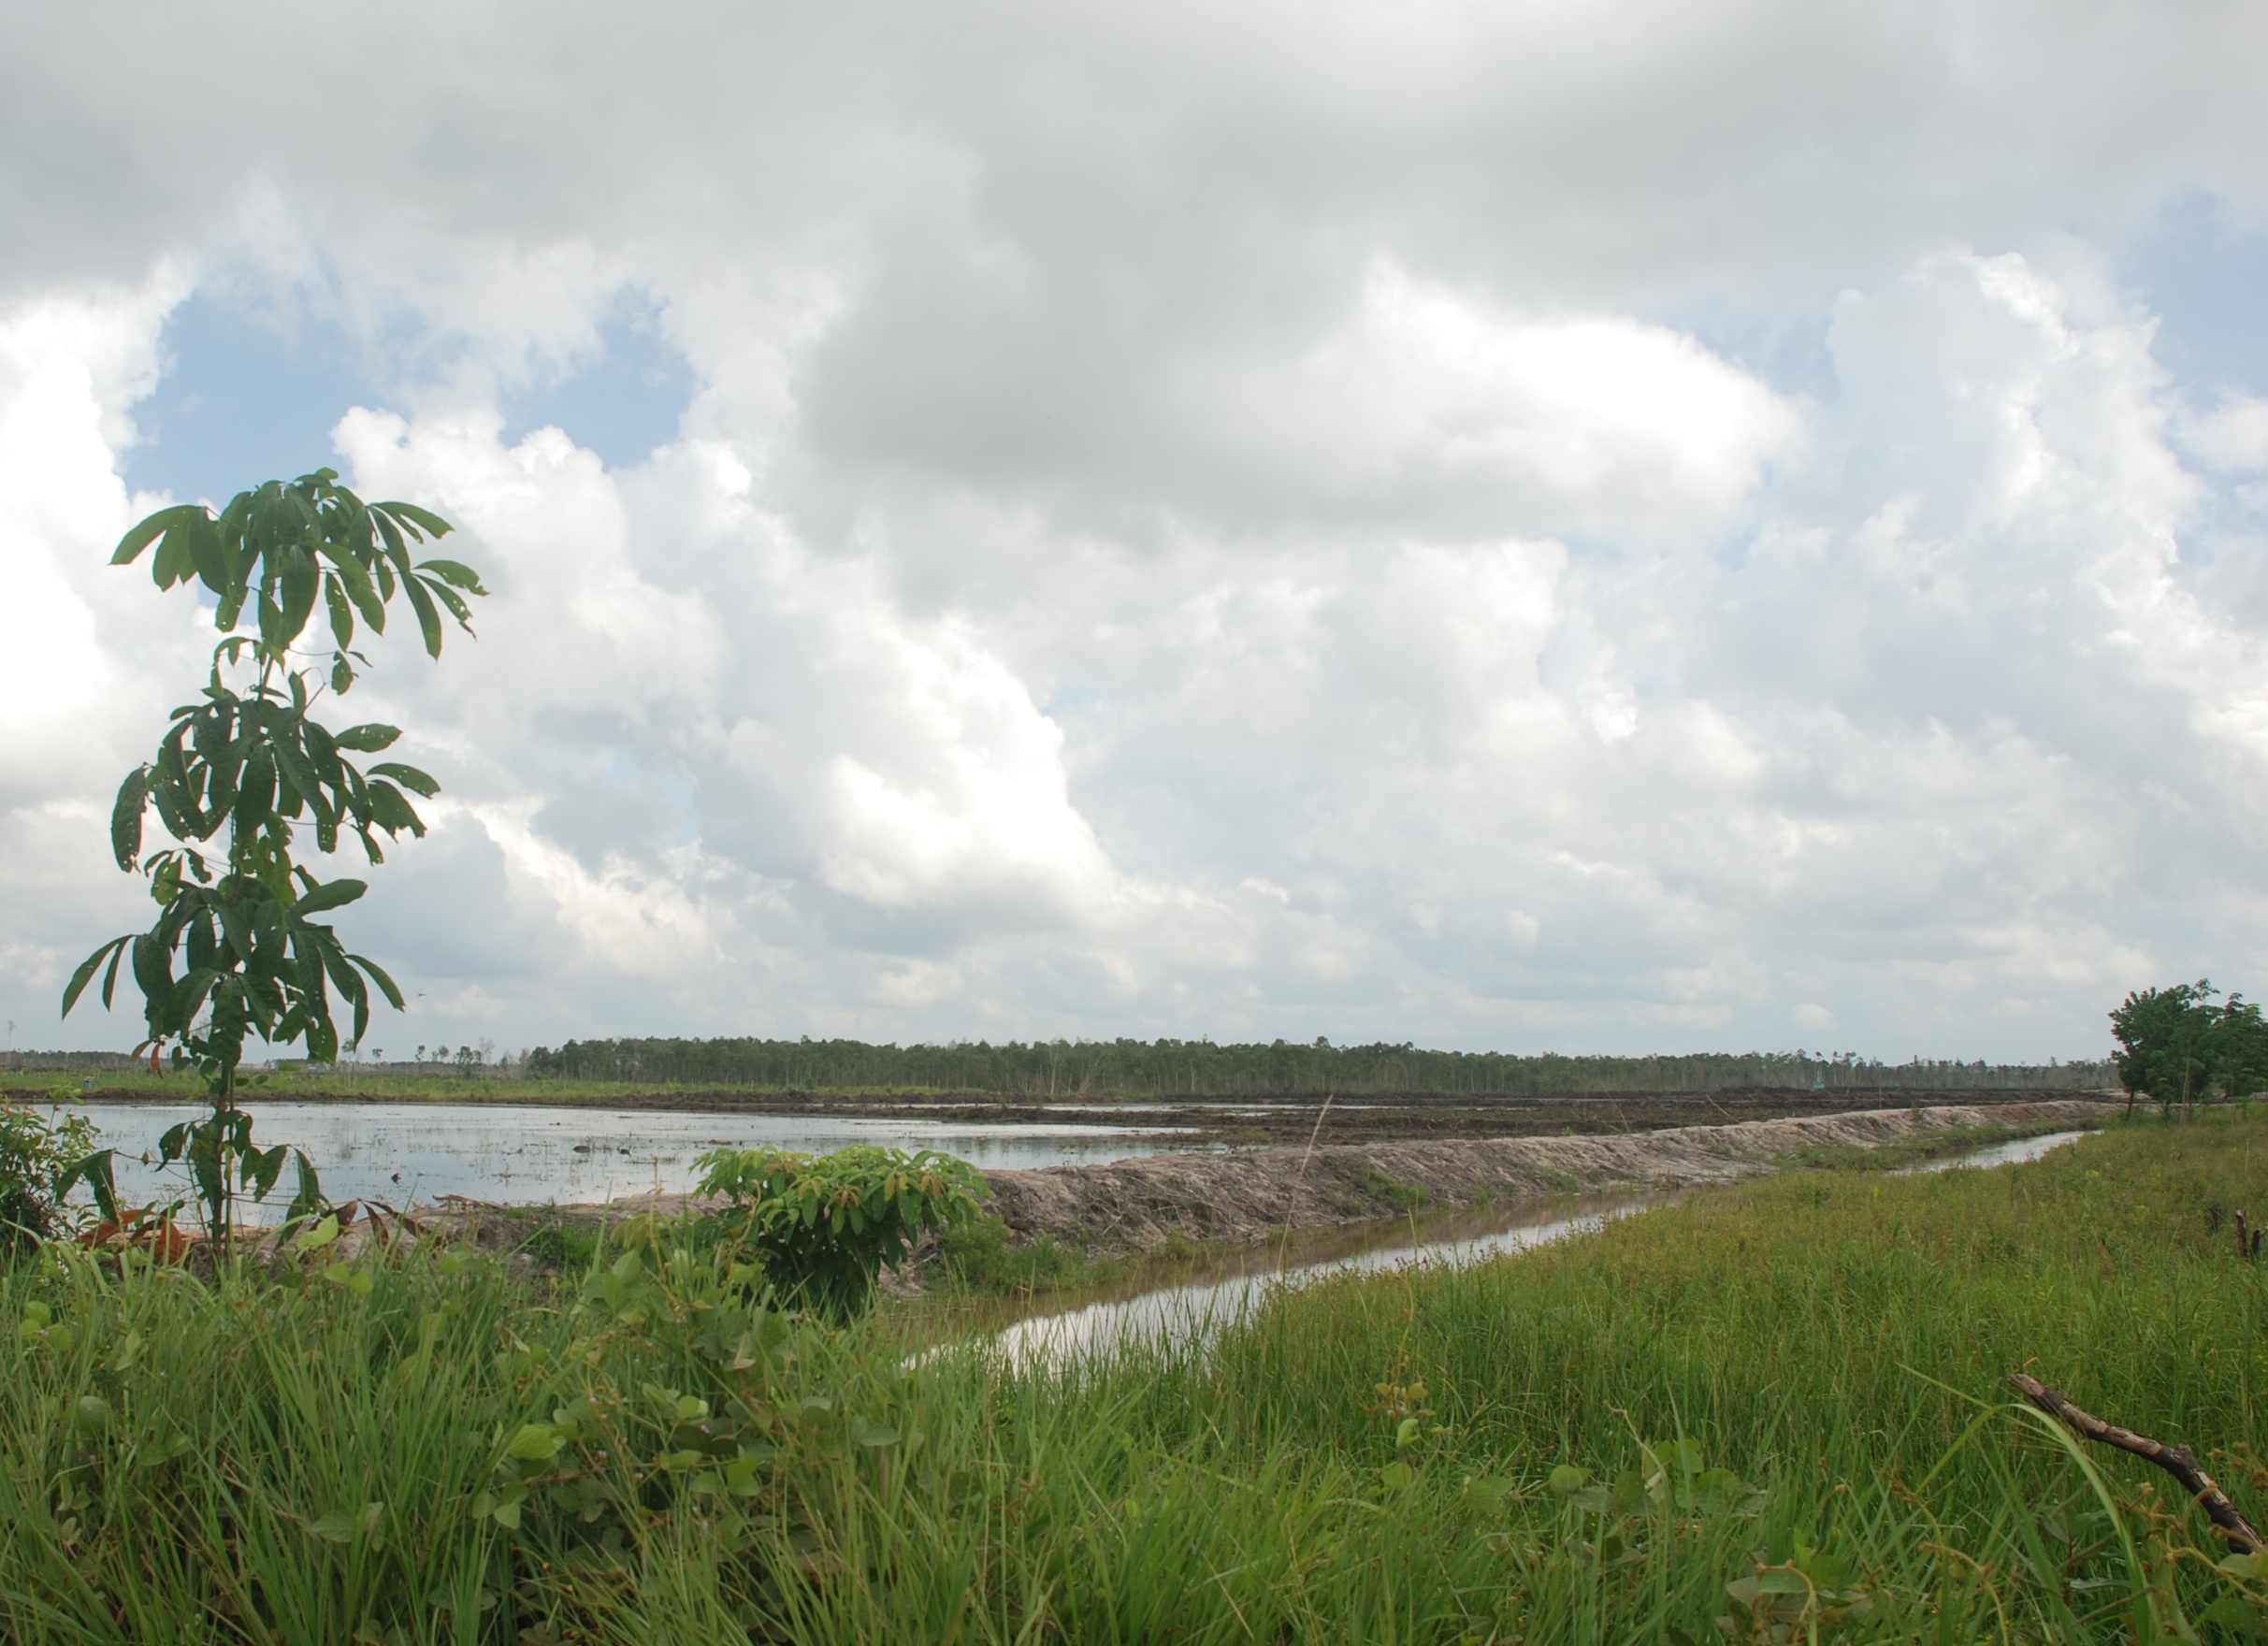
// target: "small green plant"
[[1797, 1593], [35, 1149], [237, 778], [824, 1227]]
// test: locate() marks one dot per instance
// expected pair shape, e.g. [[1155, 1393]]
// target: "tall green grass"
[[1773, 1405]]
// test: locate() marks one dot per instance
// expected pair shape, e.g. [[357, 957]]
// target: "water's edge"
[[1192, 1312], [1140, 1206]]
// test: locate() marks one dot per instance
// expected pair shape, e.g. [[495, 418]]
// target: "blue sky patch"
[[2208, 284], [247, 396]]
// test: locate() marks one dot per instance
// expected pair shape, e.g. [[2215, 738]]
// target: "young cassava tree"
[[241, 779]]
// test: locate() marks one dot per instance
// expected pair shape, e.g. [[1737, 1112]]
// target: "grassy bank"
[[1775, 1387]]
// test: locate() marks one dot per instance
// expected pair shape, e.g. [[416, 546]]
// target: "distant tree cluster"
[[2185, 1044], [1201, 1068]]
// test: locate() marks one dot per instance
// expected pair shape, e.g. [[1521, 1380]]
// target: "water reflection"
[[2000, 1154], [416, 1152], [1194, 1313]]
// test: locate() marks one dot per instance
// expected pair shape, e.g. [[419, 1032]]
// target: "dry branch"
[[2177, 1461]]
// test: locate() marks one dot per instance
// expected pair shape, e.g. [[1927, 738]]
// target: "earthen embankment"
[[1139, 1205]]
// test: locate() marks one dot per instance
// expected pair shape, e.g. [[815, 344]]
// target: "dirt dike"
[[1140, 1205]]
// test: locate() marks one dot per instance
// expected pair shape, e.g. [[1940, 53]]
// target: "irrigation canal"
[[1195, 1312]]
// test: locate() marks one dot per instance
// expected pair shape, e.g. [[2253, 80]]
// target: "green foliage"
[[978, 1261], [2178, 1046], [239, 774], [36, 1148], [1728, 1419], [824, 1228]]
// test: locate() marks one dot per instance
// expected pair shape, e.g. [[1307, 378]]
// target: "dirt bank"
[[1140, 1205]]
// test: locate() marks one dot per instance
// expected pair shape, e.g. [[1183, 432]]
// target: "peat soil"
[[1254, 1119]]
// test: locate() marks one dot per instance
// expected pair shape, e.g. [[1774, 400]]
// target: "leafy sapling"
[[824, 1228], [239, 777]]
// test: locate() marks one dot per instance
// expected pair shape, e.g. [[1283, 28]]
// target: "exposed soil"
[[1139, 1205]]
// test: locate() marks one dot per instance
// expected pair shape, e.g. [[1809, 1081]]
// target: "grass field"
[[1778, 1406]]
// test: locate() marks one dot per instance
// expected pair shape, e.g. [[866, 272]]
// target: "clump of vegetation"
[[823, 1229], [35, 1149], [978, 1261], [561, 1243], [1369, 1188]]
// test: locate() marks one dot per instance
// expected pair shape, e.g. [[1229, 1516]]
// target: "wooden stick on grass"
[[2177, 1461]]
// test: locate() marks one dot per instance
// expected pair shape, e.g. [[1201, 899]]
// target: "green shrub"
[[35, 1149], [823, 1228]]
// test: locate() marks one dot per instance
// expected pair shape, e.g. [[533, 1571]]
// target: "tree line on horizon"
[[1204, 1068]]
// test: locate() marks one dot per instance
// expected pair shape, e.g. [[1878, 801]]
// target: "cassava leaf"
[[147, 530], [366, 739], [392, 811], [126, 818], [425, 520], [85, 974], [454, 572], [408, 776], [331, 895], [428, 620]]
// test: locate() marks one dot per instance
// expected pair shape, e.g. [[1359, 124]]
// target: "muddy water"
[[416, 1153], [1194, 1313], [2001, 1154]]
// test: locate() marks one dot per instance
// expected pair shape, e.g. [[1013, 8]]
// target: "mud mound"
[[1138, 1204]]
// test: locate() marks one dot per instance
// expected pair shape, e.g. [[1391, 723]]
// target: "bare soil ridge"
[[1140, 1205]]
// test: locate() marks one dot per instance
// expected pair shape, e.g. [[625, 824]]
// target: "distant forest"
[[1183, 1068]]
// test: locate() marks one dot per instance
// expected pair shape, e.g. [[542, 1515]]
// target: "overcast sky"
[[1615, 527]]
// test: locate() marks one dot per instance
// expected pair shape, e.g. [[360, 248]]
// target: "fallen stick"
[[2177, 1461]]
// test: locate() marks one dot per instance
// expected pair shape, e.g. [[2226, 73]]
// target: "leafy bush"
[[35, 1149], [823, 1228]]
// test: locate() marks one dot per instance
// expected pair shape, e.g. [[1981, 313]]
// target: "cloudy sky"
[[1640, 524]]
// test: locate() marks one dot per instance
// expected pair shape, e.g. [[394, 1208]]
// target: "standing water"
[[1194, 1313], [2000, 1154], [406, 1153]]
